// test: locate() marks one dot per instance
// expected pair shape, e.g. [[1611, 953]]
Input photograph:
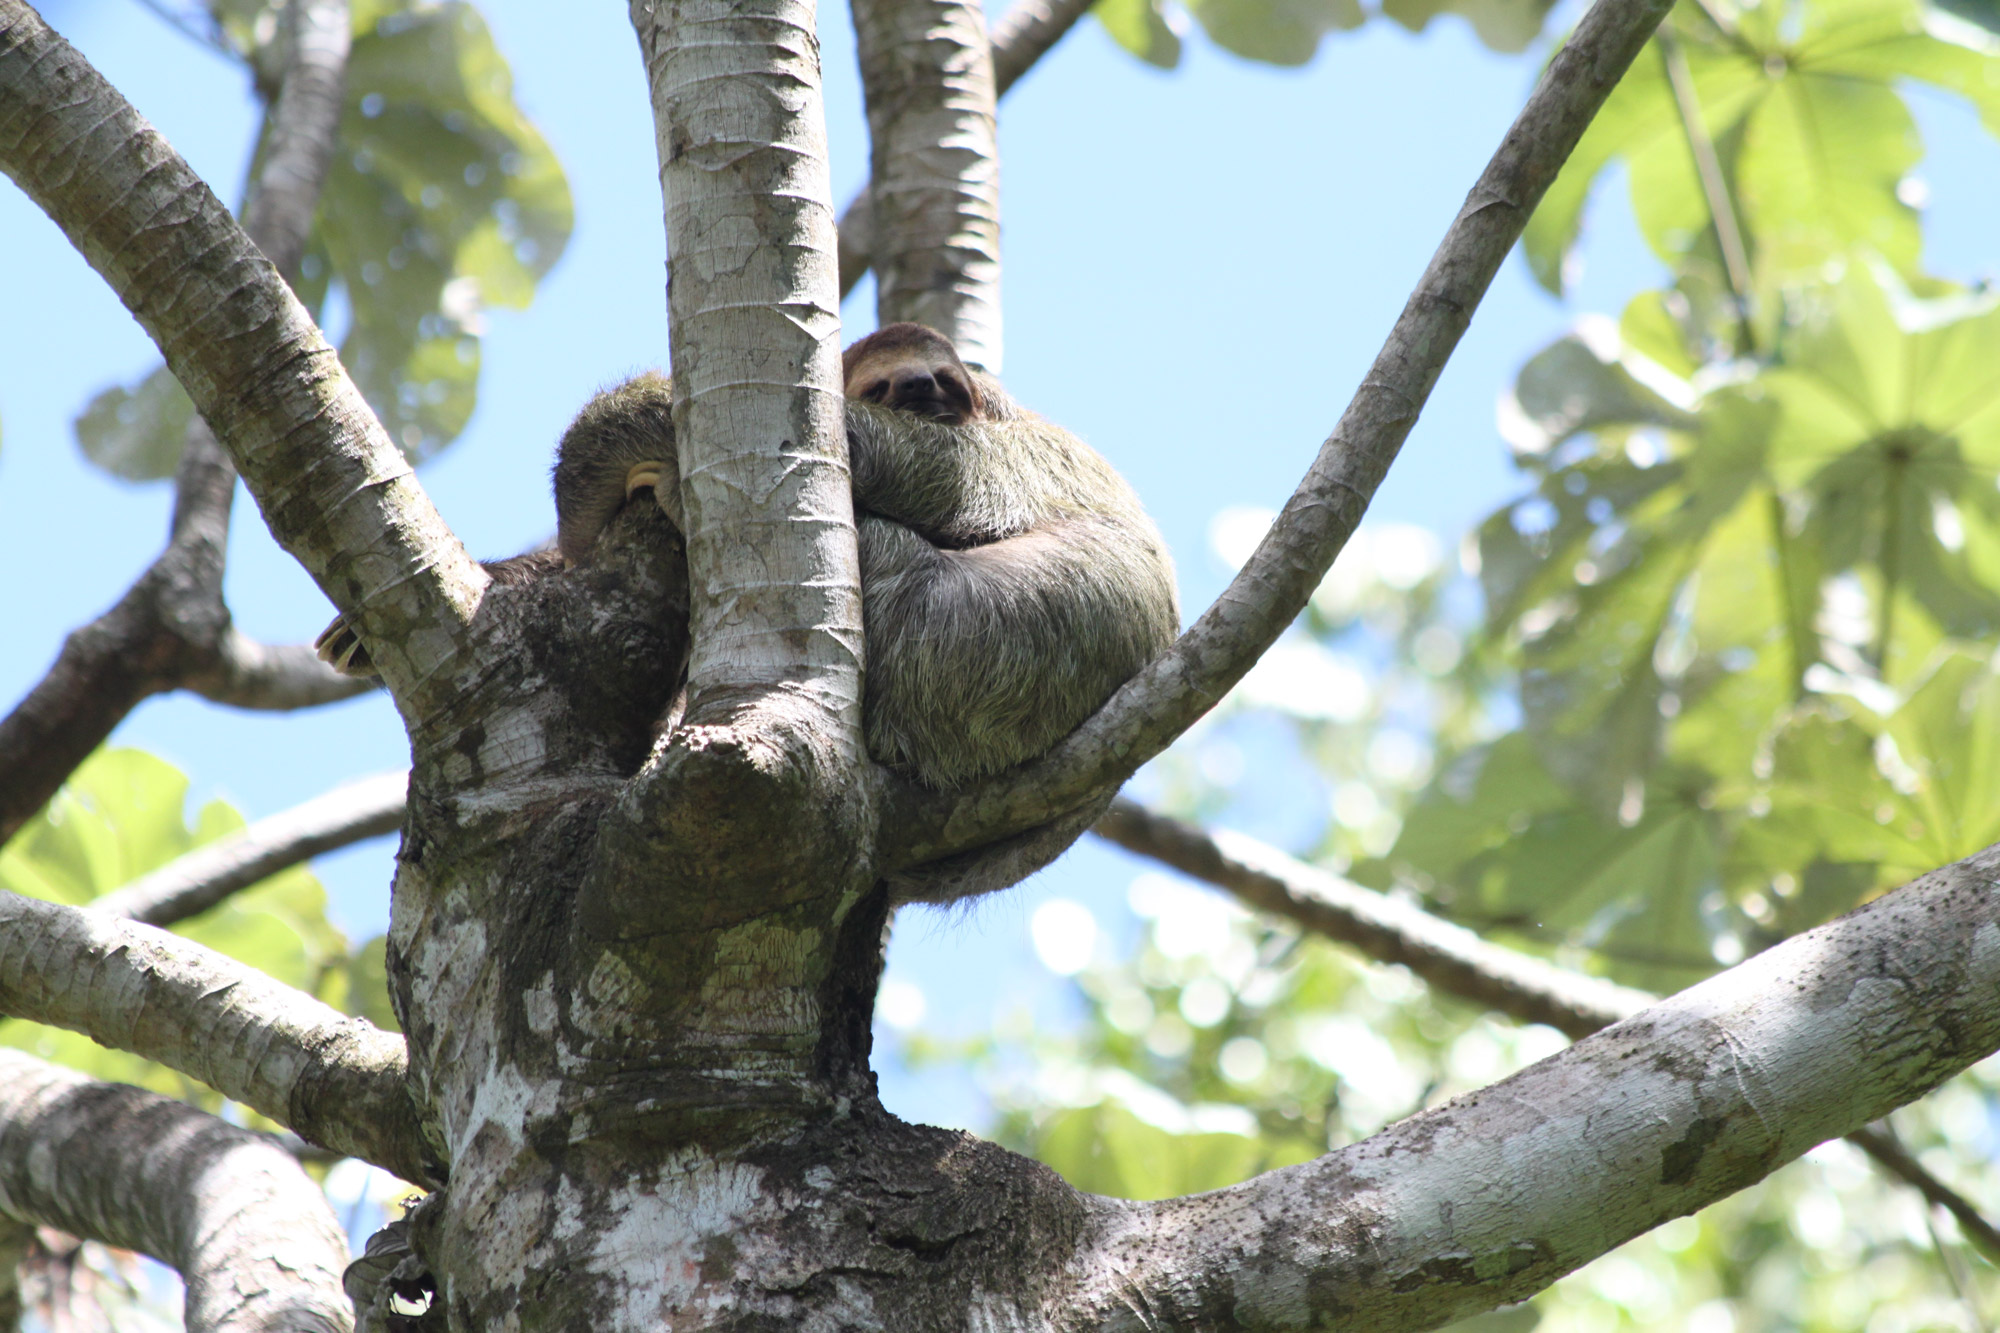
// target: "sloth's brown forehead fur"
[[899, 344], [882, 362]]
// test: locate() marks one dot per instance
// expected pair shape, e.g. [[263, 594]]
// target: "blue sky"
[[1199, 266]]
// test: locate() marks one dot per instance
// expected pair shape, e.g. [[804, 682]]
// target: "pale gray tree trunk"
[[934, 179]]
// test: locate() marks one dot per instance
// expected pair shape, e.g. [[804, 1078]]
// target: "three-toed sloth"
[[1010, 582]]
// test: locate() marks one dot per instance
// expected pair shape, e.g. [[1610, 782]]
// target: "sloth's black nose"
[[916, 385]]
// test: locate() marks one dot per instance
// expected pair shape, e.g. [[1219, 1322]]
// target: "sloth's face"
[[935, 388]]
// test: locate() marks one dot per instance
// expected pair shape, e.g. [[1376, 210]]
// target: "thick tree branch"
[[1495, 1195], [337, 1081], [333, 489], [1027, 32], [773, 721], [1449, 958], [754, 326], [934, 185], [1270, 590], [246, 1227], [198, 881], [171, 629]]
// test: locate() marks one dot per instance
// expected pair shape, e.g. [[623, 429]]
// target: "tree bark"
[[246, 1227], [1448, 957], [1028, 31], [637, 972], [337, 1081], [1496, 1194], [934, 184]]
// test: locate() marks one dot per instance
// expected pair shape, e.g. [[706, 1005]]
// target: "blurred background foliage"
[[442, 200], [1723, 670]]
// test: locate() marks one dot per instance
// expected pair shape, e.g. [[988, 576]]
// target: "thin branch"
[[1493, 1196], [1898, 1161], [1273, 585], [934, 169], [172, 629], [335, 491], [1448, 957], [338, 1081], [300, 133], [233, 1212], [1023, 36], [198, 881], [276, 678]]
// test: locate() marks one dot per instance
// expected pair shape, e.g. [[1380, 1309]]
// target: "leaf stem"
[[1798, 627], [1714, 186], [1889, 558]]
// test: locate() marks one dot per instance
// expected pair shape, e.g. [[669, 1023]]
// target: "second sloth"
[[1010, 581]]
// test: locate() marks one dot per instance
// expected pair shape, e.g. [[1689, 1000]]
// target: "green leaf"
[[1143, 28], [1656, 325], [1813, 136], [361, 987], [137, 433], [123, 814], [1627, 123], [1889, 427], [1105, 1149], [1278, 32], [442, 201], [1882, 797], [1588, 381], [119, 816], [1482, 800], [1502, 25]]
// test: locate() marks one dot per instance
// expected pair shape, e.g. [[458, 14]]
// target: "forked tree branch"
[[334, 490], [193, 883], [337, 1081], [1493, 1196], [1449, 958], [1273, 585], [1027, 32], [171, 628], [246, 1227]]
